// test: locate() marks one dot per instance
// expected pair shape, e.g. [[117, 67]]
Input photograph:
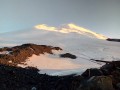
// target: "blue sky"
[[101, 16]]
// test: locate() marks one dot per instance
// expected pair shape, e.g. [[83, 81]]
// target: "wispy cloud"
[[70, 28]]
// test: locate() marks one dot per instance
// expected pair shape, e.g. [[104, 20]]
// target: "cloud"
[[75, 27], [45, 27], [69, 28]]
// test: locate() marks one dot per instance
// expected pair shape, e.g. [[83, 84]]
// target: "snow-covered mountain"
[[83, 43]]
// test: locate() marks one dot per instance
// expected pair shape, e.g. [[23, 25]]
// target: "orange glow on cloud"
[[73, 26], [45, 27], [70, 28]]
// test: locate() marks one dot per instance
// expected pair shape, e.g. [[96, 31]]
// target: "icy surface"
[[47, 62]]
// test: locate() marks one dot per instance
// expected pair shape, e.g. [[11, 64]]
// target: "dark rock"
[[68, 55], [115, 75], [92, 72], [110, 67], [118, 86], [115, 40], [97, 83]]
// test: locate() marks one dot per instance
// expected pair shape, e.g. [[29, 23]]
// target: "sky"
[[101, 16]]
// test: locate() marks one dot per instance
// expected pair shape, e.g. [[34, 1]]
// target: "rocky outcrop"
[[105, 78], [115, 40], [19, 54], [17, 78], [92, 72], [68, 55], [97, 83]]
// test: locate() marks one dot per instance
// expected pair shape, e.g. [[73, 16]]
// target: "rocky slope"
[[13, 77], [18, 54]]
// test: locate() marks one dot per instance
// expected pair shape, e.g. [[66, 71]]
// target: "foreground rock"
[[97, 83], [17, 78], [105, 78]]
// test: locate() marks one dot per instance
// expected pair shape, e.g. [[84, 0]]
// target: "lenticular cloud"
[[69, 28]]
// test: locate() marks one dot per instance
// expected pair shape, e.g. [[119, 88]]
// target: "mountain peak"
[[69, 28]]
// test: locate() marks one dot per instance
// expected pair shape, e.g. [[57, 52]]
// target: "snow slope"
[[79, 41]]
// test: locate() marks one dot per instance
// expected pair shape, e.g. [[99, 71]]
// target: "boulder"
[[92, 72], [118, 86], [97, 83]]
